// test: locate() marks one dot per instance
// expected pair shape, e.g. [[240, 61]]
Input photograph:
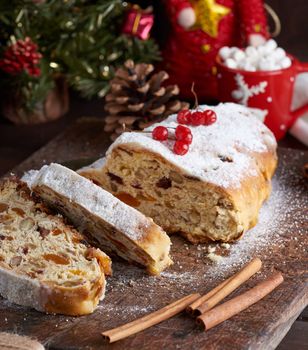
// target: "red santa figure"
[[199, 29]]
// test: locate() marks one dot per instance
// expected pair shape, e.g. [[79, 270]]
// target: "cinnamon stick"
[[150, 319], [232, 307], [224, 289], [191, 309]]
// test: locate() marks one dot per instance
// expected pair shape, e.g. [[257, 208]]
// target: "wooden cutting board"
[[280, 240]]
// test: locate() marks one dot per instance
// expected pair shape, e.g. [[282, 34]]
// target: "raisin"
[[58, 259], [3, 207], [84, 242], [43, 232], [95, 182], [115, 178], [25, 250], [56, 232], [164, 183], [128, 199], [136, 185], [19, 211], [225, 158], [193, 178]]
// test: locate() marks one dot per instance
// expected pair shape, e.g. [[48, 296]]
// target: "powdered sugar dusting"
[[99, 202], [236, 134], [194, 272]]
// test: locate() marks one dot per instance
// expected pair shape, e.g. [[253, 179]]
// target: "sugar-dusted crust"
[[214, 192], [116, 227], [26, 277]]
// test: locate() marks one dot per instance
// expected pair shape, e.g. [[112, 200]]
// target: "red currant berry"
[[180, 148], [197, 118], [183, 133], [210, 117], [160, 133], [184, 116]]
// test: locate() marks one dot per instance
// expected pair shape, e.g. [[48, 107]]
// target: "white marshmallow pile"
[[261, 58]]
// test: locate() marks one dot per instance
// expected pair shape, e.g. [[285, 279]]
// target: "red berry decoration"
[[197, 118], [210, 117], [160, 133], [183, 116], [183, 133], [21, 56], [180, 148]]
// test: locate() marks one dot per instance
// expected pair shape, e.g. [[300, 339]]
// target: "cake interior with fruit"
[[203, 174]]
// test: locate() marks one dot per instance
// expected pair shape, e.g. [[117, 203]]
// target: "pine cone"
[[137, 98]]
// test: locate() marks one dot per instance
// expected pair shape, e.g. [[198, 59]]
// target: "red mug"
[[269, 91]]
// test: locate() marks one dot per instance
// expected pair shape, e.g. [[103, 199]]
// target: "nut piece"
[[177, 178], [26, 224], [195, 217], [141, 173], [15, 261]]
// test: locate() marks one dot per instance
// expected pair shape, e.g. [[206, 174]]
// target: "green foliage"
[[80, 39]]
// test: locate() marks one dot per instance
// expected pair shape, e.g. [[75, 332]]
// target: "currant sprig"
[[183, 134], [196, 118]]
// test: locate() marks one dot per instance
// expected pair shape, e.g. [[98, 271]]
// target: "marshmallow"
[[270, 46], [279, 53], [249, 67], [238, 55], [262, 58], [230, 63], [286, 62], [266, 64], [225, 52], [251, 51]]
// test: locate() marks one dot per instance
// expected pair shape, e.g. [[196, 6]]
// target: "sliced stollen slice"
[[45, 263], [115, 226]]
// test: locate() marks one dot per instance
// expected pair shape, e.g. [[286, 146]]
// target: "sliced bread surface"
[[45, 263], [115, 226]]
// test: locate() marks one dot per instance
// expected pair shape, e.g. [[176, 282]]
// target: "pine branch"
[[80, 39]]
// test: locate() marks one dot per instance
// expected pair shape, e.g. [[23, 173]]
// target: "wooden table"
[[17, 143]]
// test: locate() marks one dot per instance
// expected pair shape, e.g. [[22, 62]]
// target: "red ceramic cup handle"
[[300, 68]]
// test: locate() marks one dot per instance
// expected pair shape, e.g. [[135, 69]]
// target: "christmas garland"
[[79, 39]]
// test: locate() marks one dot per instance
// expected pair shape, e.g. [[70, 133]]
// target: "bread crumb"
[[214, 257], [211, 249], [225, 245]]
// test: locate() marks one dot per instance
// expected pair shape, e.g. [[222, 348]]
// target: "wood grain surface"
[[131, 293]]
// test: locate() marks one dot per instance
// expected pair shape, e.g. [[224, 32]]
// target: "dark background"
[[18, 142]]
